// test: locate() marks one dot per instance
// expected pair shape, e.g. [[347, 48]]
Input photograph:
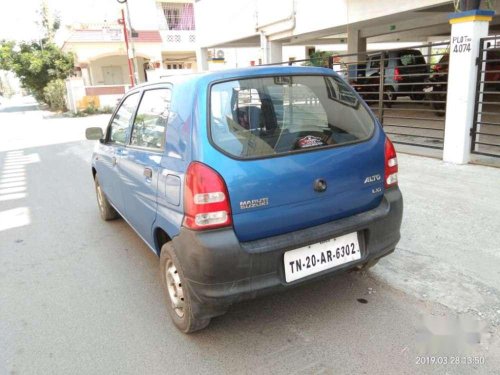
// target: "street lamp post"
[[131, 55], [129, 62]]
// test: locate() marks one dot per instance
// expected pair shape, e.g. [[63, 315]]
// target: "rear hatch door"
[[314, 155], [412, 66]]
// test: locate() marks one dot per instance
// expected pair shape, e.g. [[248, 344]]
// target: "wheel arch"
[[161, 237]]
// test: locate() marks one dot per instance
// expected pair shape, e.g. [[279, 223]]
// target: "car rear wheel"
[[178, 297], [105, 208], [417, 94], [367, 265], [389, 96]]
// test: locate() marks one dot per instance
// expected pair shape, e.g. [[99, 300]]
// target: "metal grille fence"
[[485, 132], [405, 88]]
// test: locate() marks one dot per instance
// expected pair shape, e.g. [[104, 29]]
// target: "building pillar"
[[86, 74], [75, 92], [356, 45], [429, 52], [272, 52], [202, 59], [467, 28]]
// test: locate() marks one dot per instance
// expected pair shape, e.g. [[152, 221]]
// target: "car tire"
[[178, 298], [439, 107], [417, 96], [105, 208], [366, 266], [389, 96]]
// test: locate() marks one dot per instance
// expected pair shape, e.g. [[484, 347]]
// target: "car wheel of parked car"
[[105, 208], [417, 96], [439, 107], [389, 96], [179, 301]]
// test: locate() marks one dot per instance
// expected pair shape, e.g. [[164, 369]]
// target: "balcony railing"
[[179, 39]]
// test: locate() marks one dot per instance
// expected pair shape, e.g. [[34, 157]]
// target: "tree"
[[6, 54], [49, 23], [36, 63]]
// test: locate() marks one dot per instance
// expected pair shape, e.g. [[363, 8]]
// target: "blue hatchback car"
[[248, 181]]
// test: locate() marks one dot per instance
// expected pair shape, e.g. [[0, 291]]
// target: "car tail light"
[[206, 201], [391, 165], [397, 75]]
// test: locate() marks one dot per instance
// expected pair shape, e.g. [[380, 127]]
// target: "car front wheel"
[[105, 208]]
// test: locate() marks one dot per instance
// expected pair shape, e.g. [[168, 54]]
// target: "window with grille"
[[179, 16], [175, 66]]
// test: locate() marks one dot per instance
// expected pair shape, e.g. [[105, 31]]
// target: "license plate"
[[321, 256]]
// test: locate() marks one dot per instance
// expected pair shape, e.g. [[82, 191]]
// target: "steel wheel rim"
[[100, 198], [174, 287]]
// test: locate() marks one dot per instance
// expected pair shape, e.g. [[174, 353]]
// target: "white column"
[[86, 75], [75, 88], [429, 52], [271, 50], [466, 31], [355, 45], [202, 59]]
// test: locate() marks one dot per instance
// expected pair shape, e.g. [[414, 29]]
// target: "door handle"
[[148, 172], [113, 161]]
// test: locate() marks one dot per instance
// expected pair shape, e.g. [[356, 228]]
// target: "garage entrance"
[[485, 132], [405, 88]]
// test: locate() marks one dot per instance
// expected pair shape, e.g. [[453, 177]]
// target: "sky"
[[18, 17]]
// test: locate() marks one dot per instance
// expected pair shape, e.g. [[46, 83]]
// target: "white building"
[[282, 29], [162, 41]]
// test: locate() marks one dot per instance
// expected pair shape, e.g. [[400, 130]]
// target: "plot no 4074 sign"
[[461, 44]]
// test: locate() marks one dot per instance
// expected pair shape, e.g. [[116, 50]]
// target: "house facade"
[[161, 41]]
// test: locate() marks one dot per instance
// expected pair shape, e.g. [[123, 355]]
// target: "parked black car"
[[405, 71], [437, 83]]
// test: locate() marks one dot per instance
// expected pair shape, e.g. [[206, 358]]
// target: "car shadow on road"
[[303, 329]]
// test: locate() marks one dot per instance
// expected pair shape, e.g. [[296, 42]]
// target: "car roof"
[[398, 51], [206, 78]]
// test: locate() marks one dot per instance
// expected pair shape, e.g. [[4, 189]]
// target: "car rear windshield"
[[267, 116]]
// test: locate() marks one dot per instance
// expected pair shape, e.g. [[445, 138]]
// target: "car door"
[[113, 148], [140, 166]]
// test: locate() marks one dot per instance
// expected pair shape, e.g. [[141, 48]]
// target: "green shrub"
[[319, 58], [91, 109], [55, 95], [107, 110]]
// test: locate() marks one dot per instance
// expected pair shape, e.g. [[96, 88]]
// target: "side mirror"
[[94, 134]]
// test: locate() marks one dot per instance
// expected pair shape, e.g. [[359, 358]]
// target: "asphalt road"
[[82, 296]]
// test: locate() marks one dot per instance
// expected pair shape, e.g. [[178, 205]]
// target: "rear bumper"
[[220, 270]]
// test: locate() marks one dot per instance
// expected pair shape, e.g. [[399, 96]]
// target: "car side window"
[[121, 121], [151, 119], [375, 61]]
